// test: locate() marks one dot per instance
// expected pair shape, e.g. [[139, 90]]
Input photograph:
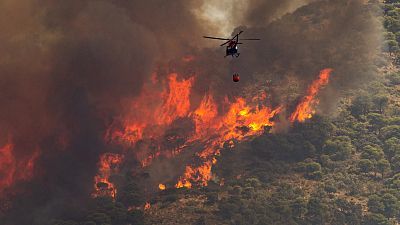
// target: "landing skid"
[[233, 55]]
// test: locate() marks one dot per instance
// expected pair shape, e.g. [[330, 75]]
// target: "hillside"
[[338, 169], [309, 136]]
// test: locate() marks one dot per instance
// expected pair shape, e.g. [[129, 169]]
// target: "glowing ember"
[[188, 58], [147, 206], [305, 109], [7, 166], [13, 169], [161, 187]]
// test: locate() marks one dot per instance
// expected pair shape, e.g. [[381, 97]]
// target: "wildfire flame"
[[204, 115], [240, 115], [174, 103], [108, 165], [213, 126], [305, 109], [177, 102]]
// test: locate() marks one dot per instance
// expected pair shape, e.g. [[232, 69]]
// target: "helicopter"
[[232, 43]]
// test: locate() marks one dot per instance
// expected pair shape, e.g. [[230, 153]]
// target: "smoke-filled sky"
[[67, 68]]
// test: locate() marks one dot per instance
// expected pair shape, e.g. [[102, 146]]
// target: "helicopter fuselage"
[[233, 51]]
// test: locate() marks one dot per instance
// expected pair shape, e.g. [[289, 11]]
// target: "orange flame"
[[183, 183], [213, 128], [177, 102], [108, 165], [204, 115], [305, 109], [162, 108], [239, 115], [201, 175]]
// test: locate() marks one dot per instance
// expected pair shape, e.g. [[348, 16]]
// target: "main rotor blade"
[[224, 39], [250, 39], [234, 37], [225, 42], [237, 35]]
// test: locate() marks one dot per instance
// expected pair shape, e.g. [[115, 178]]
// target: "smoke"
[[67, 68], [260, 13], [221, 17], [343, 35]]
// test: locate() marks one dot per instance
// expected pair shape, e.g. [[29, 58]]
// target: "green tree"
[[380, 102], [391, 46], [339, 147], [375, 204], [312, 170], [299, 208], [372, 152], [316, 211], [390, 36], [394, 78], [376, 219], [361, 105], [392, 205], [395, 163], [312, 167], [377, 121], [391, 23], [394, 182], [316, 130], [390, 131], [392, 147], [365, 165], [383, 166], [346, 213]]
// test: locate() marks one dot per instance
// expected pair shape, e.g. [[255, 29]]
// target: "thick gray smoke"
[[342, 35], [67, 67], [261, 12]]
